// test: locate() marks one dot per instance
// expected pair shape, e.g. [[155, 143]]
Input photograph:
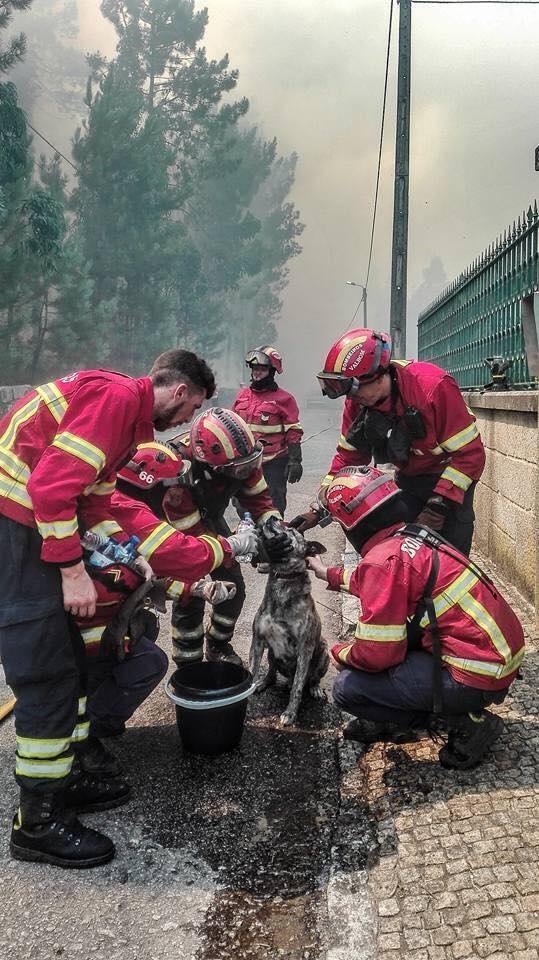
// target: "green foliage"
[[14, 51]]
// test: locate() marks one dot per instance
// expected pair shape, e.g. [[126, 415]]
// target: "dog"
[[287, 623]]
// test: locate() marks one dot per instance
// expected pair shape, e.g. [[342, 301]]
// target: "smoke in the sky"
[[314, 75]]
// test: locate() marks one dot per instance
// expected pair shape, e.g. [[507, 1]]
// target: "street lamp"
[[352, 283]]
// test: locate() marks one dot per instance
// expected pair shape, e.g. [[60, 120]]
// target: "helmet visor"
[[242, 468], [184, 478], [258, 357], [334, 385]]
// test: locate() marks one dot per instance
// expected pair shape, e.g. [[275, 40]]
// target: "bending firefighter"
[[433, 634], [226, 463], [273, 416], [60, 447], [410, 414]]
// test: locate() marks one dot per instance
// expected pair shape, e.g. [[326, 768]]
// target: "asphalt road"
[[217, 858]]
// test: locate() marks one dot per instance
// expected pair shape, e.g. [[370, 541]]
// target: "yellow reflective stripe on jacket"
[[325, 481], [82, 449], [344, 653], [25, 413], [343, 443], [162, 532], [80, 732], [455, 476], [218, 552], [485, 669], [185, 523], [452, 594], [482, 617], [59, 529], [259, 487], [28, 747], [175, 589], [91, 636], [266, 427], [266, 516], [460, 439], [44, 769], [54, 400], [81, 708], [346, 577], [106, 528], [105, 489], [381, 633], [15, 467], [15, 491], [292, 426]]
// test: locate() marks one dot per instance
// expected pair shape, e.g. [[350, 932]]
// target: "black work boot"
[[219, 651], [86, 793], [97, 761], [44, 832], [371, 731], [469, 739]]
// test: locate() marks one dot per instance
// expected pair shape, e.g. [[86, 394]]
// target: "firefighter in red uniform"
[[410, 414], [273, 416], [60, 447], [433, 634], [123, 670], [227, 462]]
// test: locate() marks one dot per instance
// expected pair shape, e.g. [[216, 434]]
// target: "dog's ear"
[[314, 548]]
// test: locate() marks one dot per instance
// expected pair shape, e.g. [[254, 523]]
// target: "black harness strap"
[[428, 600]]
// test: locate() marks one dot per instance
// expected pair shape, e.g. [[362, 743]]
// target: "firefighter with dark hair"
[[410, 414], [434, 636], [273, 416], [60, 448]]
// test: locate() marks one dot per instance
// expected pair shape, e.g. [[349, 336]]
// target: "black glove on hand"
[[435, 513], [276, 549], [294, 470]]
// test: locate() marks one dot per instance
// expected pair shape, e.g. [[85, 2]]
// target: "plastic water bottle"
[[246, 524], [104, 550]]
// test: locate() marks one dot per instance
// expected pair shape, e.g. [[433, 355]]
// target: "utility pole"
[[399, 260]]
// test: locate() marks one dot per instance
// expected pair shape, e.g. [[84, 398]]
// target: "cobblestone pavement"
[[452, 867]]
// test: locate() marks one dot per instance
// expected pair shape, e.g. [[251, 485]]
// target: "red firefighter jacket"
[[60, 446], [181, 560], [273, 416], [452, 447], [482, 642]]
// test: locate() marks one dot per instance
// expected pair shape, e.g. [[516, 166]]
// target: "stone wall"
[[507, 496]]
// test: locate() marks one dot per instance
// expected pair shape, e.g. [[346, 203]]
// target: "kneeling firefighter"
[[226, 463], [413, 415], [124, 664], [434, 635]]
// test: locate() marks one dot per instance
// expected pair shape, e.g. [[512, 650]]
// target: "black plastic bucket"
[[211, 703]]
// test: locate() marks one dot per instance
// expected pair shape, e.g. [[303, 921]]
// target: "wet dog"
[[288, 625]]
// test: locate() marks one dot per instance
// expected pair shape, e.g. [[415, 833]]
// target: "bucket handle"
[[207, 704]]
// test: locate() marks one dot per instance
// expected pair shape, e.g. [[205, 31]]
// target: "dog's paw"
[[317, 693], [287, 719]]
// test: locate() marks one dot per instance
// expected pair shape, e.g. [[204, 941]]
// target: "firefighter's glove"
[[294, 469], [244, 544], [305, 521], [214, 591], [434, 513], [143, 567]]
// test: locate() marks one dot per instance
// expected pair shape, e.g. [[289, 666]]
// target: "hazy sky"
[[313, 72]]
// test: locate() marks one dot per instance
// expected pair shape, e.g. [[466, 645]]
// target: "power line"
[[51, 145], [382, 123]]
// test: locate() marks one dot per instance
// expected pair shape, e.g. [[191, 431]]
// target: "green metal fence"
[[479, 314]]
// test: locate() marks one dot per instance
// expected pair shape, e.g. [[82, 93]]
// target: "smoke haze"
[[314, 76]]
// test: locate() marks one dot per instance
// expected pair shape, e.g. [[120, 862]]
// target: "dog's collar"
[[289, 576]]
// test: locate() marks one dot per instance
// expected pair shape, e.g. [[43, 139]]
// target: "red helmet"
[[265, 357], [355, 492], [358, 356], [155, 463], [222, 440]]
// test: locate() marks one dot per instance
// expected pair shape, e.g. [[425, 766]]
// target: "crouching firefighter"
[[226, 463], [123, 662], [434, 635]]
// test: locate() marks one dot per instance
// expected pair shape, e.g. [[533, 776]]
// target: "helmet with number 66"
[[155, 463]]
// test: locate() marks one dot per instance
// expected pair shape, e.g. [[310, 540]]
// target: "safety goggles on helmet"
[[242, 468], [258, 358], [336, 385], [265, 356]]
